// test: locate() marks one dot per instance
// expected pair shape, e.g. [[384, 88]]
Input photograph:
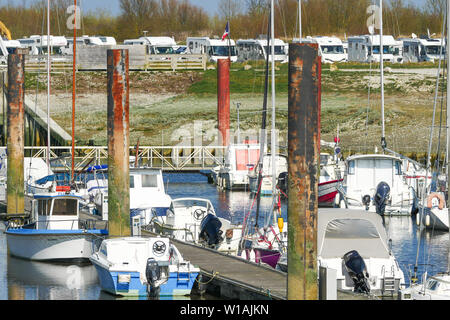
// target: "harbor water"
[[30, 280]]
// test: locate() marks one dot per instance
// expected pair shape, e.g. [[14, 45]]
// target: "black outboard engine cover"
[[210, 230], [366, 201], [356, 268], [283, 181], [381, 197], [153, 273]]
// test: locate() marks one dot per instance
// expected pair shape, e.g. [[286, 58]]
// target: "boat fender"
[[418, 219], [427, 220], [439, 197]]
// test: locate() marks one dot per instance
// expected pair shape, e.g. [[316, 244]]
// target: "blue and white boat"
[[58, 230], [136, 266]]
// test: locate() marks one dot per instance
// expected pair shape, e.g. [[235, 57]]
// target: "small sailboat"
[[135, 266]]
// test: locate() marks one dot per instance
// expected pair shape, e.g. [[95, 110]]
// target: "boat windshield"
[[332, 49], [185, 203], [65, 207], [222, 51], [164, 50]]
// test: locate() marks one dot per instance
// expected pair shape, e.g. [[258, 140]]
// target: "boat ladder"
[[184, 272], [389, 282]]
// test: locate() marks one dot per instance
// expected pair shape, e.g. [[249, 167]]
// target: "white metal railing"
[[171, 158]]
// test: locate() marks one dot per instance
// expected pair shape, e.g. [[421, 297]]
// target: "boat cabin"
[[54, 211], [365, 172]]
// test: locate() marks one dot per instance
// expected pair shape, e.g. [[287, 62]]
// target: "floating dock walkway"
[[232, 277]]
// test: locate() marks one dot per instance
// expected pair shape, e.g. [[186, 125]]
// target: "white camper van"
[[38, 44], [422, 49], [214, 48], [159, 45], [367, 49], [331, 49], [108, 41], [256, 49]]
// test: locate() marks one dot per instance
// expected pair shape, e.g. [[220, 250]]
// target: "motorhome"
[[256, 49], [366, 48], [331, 49], [423, 49], [159, 45], [38, 44], [214, 48], [108, 41]]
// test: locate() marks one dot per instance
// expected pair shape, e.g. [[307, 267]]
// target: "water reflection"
[[23, 279], [433, 251], [41, 280]]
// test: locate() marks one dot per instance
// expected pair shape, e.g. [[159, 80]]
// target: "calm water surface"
[[22, 279]]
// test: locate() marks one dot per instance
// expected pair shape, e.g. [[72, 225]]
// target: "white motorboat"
[[240, 159], [135, 266], [58, 230], [194, 220], [355, 244], [147, 191], [435, 287], [374, 182], [266, 182]]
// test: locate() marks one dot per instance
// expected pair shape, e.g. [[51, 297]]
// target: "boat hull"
[[53, 245], [328, 191], [267, 256], [177, 284]]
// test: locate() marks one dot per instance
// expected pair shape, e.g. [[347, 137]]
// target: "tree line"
[[248, 18]]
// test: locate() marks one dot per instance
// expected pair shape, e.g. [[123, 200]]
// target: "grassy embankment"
[[164, 105]]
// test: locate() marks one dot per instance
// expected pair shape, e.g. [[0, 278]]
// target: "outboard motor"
[[381, 197], [283, 181], [356, 268], [210, 230], [366, 201], [153, 274]]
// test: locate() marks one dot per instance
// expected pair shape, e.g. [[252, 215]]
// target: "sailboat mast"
[[448, 104], [383, 138], [73, 88], [48, 86], [300, 20], [273, 143]]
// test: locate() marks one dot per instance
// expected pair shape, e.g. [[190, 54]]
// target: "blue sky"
[[209, 5], [113, 5]]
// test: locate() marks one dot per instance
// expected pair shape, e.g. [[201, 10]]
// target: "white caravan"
[[214, 48], [256, 49], [422, 49], [367, 49], [331, 49], [363, 188], [135, 42], [108, 41], [159, 45], [38, 44]]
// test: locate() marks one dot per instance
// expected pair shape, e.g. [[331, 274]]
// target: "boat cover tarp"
[[342, 230]]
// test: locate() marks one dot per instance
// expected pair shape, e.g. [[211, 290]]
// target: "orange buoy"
[[440, 198]]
